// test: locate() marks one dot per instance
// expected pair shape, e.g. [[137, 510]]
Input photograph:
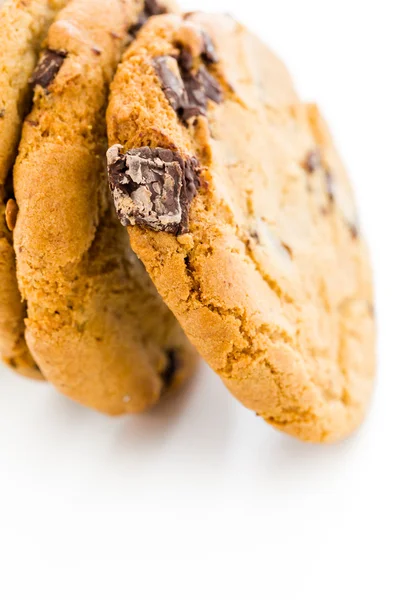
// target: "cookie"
[[95, 324], [237, 203], [23, 27]]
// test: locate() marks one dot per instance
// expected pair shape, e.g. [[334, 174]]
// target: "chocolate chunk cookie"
[[23, 28], [263, 263], [95, 323]]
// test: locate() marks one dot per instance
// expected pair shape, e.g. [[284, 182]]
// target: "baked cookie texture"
[[238, 205], [96, 325], [24, 25]]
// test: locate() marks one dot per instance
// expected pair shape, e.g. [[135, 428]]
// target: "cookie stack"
[[238, 209]]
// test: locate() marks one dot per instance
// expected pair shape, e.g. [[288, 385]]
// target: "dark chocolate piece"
[[313, 161], [173, 364], [200, 87], [151, 8], [153, 187], [189, 93], [254, 235], [48, 67], [172, 84], [209, 53], [2, 112], [185, 60]]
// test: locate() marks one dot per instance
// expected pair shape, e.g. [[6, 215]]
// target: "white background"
[[200, 499]]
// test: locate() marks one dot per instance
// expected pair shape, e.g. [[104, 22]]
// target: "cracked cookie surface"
[[96, 324], [24, 25], [271, 281]]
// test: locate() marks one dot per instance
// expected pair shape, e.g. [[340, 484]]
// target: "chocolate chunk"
[[254, 235], [209, 53], [11, 214], [137, 26], [313, 161], [153, 187], [173, 364], [151, 8], [171, 82], [2, 112], [48, 67], [185, 60], [200, 88], [189, 93]]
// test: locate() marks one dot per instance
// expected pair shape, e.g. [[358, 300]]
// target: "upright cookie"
[[24, 25], [96, 325], [237, 203]]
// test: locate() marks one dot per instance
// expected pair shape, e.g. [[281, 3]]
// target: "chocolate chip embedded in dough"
[[48, 67], [200, 87], [153, 187], [2, 113], [313, 161], [153, 7], [150, 9], [185, 60], [188, 92], [209, 53], [171, 81]]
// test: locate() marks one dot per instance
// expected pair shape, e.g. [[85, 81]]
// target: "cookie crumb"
[[11, 214]]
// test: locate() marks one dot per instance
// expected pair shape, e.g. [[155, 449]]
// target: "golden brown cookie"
[[96, 325], [239, 207], [24, 25]]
